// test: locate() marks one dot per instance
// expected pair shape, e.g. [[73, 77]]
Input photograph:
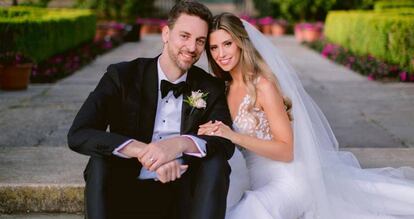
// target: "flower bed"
[[64, 64], [40, 33], [69, 48], [367, 65], [387, 36]]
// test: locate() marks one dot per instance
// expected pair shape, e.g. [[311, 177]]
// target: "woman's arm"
[[281, 146]]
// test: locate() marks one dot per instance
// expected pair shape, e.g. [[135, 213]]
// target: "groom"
[[146, 160]]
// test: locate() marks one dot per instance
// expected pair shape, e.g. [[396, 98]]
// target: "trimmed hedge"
[[386, 5], [41, 33], [388, 36]]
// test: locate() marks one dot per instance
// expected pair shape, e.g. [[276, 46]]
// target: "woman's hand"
[[206, 128], [217, 129]]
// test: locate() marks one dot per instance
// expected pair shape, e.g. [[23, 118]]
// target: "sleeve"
[[119, 154], [218, 111], [88, 134], [201, 146]]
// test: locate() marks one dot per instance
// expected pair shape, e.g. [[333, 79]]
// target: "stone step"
[[50, 179], [41, 216], [24, 198]]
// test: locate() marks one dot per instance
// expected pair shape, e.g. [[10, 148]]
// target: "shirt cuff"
[[120, 147], [201, 146]]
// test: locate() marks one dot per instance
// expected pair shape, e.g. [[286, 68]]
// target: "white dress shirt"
[[167, 123]]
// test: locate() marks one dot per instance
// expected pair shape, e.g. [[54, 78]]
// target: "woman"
[[294, 167]]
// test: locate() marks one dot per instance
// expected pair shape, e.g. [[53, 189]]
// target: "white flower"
[[200, 103], [196, 100], [196, 94]]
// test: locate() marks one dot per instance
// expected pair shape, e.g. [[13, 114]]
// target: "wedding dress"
[[321, 182], [275, 189]]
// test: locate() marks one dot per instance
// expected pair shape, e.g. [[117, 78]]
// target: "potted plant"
[[15, 69], [101, 31], [251, 20], [279, 27], [116, 30], [266, 24], [308, 32], [312, 31], [299, 32]]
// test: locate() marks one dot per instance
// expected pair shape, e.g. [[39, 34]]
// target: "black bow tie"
[[177, 89]]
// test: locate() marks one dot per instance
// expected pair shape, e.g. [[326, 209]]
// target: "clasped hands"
[[216, 128], [160, 156]]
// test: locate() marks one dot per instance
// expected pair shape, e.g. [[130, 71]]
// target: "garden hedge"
[[386, 5], [40, 33], [388, 35]]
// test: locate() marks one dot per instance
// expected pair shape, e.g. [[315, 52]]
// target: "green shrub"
[[387, 36], [119, 9], [40, 33], [385, 5]]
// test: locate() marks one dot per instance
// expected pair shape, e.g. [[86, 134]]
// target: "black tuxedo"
[[123, 106]]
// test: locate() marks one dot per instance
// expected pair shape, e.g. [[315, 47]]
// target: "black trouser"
[[199, 194]]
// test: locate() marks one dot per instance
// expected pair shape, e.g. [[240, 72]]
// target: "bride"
[[293, 166]]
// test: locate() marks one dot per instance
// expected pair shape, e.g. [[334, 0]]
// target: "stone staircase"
[[38, 173]]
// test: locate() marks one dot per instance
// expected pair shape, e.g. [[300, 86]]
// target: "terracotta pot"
[[15, 77], [145, 29], [115, 33], [99, 34], [299, 34], [278, 30], [266, 29], [155, 28], [311, 35]]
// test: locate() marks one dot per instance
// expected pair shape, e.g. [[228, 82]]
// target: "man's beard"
[[184, 66]]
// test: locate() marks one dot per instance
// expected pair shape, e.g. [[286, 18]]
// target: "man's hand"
[[133, 148], [158, 153], [170, 171]]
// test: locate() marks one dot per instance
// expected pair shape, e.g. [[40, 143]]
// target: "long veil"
[[338, 187]]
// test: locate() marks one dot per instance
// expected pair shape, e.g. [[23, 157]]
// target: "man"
[[150, 163]]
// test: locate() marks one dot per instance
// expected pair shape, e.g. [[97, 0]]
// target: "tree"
[[312, 10], [294, 10]]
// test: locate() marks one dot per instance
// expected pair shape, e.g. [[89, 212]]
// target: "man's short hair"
[[190, 8]]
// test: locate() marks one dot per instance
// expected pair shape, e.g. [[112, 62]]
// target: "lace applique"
[[252, 123]]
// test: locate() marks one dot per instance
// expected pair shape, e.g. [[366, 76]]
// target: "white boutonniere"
[[196, 100]]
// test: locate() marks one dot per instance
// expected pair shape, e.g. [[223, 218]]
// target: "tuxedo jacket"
[[124, 104]]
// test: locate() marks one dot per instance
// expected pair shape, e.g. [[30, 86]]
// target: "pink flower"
[[403, 76], [252, 21], [371, 77], [266, 20]]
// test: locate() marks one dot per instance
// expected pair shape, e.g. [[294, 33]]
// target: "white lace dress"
[[262, 188]]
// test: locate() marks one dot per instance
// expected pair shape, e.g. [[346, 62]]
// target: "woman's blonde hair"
[[252, 64]]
